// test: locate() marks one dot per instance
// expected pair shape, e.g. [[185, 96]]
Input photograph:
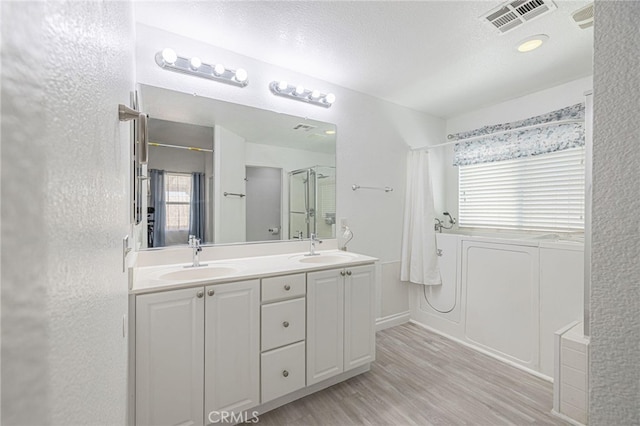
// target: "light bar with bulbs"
[[169, 60], [299, 93]]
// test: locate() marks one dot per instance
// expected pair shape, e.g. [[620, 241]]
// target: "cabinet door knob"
[[349, 273], [287, 287], [285, 324], [285, 373], [342, 273], [211, 292], [200, 294]]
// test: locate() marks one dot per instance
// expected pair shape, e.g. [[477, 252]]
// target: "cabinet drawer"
[[283, 371], [285, 287], [283, 323]]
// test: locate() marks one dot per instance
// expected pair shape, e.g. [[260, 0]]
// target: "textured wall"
[[66, 66], [615, 292]]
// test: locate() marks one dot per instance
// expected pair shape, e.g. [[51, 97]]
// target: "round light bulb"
[[169, 56], [315, 94], [299, 90], [241, 75], [283, 85], [330, 98], [218, 69], [195, 62], [532, 43]]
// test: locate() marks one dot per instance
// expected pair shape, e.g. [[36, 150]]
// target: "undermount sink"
[[325, 258], [199, 273]]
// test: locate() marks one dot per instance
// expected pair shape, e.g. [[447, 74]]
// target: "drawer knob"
[[200, 294], [211, 292], [285, 373], [342, 273], [287, 287], [285, 324], [349, 273]]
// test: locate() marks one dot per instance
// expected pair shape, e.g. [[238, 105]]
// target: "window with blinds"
[[540, 193]]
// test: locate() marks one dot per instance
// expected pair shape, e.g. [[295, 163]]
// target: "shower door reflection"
[[312, 202]]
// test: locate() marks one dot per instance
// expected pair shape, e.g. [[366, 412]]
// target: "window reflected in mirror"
[[229, 173]]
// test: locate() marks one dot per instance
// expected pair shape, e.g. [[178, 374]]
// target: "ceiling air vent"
[[515, 13], [303, 127], [584, 17]]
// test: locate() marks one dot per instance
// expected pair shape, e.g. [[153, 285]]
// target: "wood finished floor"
[[421, 378]]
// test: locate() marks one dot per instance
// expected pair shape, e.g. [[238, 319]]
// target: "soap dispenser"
[[346, 236]]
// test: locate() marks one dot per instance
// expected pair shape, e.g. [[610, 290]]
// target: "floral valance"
[[509, 140]]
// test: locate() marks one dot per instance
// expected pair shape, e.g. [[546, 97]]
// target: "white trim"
[[486, 352], [566, 418], [393, 320]]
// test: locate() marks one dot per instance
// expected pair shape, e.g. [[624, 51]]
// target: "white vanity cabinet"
[[283, 335], [340, 321], [169, 374], [203, 352], [232, 347], [197, 351]]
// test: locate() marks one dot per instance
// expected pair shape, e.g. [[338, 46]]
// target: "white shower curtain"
[[419, 259]]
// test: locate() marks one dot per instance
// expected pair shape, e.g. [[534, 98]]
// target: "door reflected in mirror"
[[229, 173]]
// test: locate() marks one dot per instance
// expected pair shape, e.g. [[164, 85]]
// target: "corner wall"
[[614, 364], [65, 191]]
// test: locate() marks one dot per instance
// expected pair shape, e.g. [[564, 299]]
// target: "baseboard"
[[393, 320], [566, 418], [486, 352]]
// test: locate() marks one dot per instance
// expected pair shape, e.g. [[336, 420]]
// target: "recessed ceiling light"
[[329, 132], [532, 43]]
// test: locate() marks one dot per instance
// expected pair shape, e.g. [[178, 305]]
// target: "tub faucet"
[[194, 243], [438, 225], [312, 245]]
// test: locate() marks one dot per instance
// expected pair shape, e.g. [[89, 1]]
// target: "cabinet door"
[[170, 358], [232, 347], [359, 319], [325, 325]]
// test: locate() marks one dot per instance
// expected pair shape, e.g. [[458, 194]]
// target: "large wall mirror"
[[230, 173]]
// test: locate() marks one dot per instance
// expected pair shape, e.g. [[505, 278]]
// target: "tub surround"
[[505, 294]]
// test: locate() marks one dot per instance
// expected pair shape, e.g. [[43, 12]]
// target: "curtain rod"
[[533, 126], [190, 148]]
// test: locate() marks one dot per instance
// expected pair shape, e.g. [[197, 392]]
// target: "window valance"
[[519, 139]]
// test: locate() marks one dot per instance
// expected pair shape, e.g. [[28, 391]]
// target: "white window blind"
[[543, 193], [178, 197]]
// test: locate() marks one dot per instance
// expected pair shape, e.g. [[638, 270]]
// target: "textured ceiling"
[[432, 56]]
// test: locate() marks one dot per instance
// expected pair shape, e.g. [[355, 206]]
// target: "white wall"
[[64, 211], [614, 368], [446, 195], [373, 137]]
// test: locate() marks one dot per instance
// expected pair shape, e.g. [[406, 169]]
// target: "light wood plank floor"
[[421, 378]]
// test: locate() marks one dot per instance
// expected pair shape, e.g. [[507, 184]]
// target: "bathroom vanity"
[[246, 335]]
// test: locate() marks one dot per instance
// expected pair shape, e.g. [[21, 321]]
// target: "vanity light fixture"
[[531, 43], [315, 97], [170, 60]]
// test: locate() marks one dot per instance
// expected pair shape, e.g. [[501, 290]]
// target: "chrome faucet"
[[312, 245], [439, 225], [194, 243]]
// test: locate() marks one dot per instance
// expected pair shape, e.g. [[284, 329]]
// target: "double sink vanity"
[[234, 338]]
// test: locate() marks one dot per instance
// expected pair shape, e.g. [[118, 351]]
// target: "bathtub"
[[505, 294]]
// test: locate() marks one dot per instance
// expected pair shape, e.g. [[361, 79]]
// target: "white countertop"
[[150, 278]]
